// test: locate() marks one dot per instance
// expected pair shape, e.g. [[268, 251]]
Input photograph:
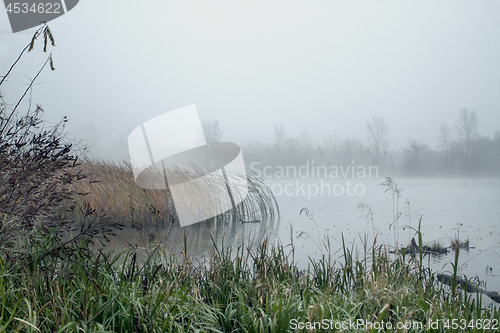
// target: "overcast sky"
[[319, 66]]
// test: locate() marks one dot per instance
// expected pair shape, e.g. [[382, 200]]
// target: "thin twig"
[[14, 64], [25, 92]]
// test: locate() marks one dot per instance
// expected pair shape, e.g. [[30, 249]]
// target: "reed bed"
[[109, 190]]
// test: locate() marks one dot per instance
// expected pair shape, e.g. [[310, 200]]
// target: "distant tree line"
[[461, 150]]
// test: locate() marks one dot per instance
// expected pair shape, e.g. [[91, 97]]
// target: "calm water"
[[448, 208]]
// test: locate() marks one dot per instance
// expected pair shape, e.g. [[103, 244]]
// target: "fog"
[[325, 67], [327, 99]]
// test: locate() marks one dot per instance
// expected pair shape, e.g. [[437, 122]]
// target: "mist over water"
[[449, 209], [324, 98]]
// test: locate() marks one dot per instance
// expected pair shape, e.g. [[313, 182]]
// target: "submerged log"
[[468, 286]]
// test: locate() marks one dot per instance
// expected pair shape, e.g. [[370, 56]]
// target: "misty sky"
[[320, 66]]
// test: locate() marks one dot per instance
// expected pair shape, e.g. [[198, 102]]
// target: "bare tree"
[[416, 156], [377, 131], [351, 150], [279, 136], [467, 131], [330, 148], [212, 130], [446, 144], [496, 153], [445, 137]]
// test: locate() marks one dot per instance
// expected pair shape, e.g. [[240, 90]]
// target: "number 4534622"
[[23, 7]]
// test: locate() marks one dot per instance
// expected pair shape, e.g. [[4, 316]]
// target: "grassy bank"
[[53, 208], [235, 290]]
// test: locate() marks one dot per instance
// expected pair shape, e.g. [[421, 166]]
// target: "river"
[[317, 210]]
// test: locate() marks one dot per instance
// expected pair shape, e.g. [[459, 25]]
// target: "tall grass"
[[246, 289]]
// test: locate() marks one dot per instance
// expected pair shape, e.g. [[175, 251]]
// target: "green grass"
[[235, 290]]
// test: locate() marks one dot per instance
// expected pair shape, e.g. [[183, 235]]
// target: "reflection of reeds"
[[110, 190]]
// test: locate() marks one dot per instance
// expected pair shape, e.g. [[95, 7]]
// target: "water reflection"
[[199, 237]]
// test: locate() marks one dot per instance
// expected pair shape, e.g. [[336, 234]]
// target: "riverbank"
[[248, 289]]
